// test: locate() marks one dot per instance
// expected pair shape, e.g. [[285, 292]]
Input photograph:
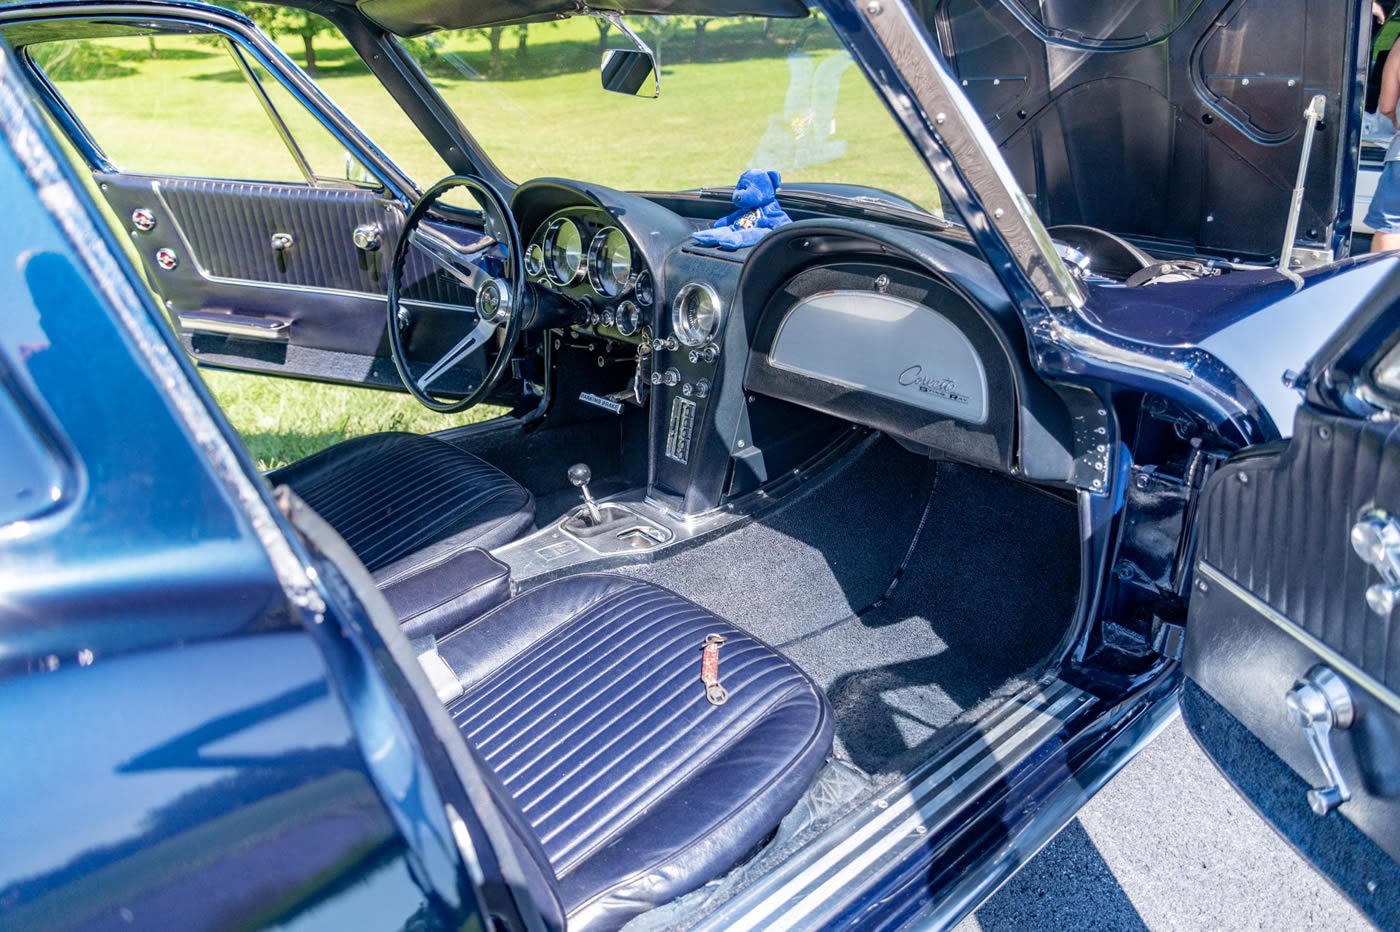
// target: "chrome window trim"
[[270, 109], [1351, 671], [246, 36]]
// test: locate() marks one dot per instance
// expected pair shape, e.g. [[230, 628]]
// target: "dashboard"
[[856, 320]]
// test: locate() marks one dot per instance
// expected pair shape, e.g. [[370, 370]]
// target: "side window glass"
[[165, 104], [326, 158]]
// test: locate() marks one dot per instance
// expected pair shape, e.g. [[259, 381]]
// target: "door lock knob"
[[1319, 703]]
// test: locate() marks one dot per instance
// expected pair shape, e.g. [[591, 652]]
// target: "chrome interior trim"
[[257, 328], [947, 113], [260, 93], [1358, 676], [816, 882]]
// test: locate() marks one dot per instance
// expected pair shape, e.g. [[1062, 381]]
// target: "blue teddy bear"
[[756, 196]]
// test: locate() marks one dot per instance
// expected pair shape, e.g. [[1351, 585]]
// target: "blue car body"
[[201, 720]]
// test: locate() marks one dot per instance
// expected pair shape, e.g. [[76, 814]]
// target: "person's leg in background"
[[1384, 215]]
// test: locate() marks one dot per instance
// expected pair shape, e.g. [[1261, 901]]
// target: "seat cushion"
[[401, 500], [584, 697]]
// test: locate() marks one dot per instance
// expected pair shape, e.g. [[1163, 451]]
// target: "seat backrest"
[[525, 875]]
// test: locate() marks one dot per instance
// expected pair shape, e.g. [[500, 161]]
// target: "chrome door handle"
[[1318, 703], [366, 237], [1376, 539]]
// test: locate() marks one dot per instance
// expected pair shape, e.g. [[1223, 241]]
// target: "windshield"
[[736, 93]]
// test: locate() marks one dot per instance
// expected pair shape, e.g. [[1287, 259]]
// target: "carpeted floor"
[[987, 574]]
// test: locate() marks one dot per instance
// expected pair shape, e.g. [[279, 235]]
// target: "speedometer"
[[563, 252], [609, 262]]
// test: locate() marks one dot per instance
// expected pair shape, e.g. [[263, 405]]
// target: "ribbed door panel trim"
[[1282, 533]]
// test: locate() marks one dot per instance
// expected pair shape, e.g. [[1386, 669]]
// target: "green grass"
[[736, 99], [283, 420]]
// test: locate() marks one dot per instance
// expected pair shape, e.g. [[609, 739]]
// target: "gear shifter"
[[580, 475]]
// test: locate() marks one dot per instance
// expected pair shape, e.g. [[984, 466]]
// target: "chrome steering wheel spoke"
[[469, 344], [450, 257]]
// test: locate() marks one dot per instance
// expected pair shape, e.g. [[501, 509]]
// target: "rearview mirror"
[[626, 71]]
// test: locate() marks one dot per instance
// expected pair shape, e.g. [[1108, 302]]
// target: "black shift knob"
[[580, 475]]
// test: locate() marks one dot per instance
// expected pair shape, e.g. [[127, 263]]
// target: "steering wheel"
[[495, 312]]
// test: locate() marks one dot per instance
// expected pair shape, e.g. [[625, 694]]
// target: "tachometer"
[[695, 315], [609, 262], [563, 252]]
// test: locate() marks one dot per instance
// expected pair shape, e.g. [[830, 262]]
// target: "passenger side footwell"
[[986, 574]]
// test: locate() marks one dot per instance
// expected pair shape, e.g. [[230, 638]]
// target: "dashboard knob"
[[687, 388], [702, 388], [658, 345], [607, 318], [671, 377], [655, 378], [710, 353]]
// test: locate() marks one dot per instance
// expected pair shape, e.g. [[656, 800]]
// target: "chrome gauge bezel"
[[550, 242], [534, 260], [683, 331], [644, 289], [605, 285], [629, 318]]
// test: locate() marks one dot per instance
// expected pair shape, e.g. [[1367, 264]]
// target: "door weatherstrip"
[[1340, 664]]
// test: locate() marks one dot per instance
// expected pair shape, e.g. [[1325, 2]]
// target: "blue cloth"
[[1384, 215], [756, 197]]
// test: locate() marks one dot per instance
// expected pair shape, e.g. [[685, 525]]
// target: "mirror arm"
[[636, 40]]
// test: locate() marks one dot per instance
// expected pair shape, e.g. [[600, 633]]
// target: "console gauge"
[[695, 314], [629, 318], [563, 252]]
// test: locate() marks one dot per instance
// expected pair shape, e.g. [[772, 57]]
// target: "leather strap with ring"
[[709, 669]]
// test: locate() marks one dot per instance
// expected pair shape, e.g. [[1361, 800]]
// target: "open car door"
[[1292, 654], [261, 216]]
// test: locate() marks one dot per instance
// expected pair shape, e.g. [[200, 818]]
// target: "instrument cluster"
[[580, 253]]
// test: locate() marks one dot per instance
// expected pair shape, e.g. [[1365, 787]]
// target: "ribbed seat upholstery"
[[584, 697], [401, 500]]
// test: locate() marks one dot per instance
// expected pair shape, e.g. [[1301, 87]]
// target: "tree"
[[602, 25], [522, 38], [493, 35], [280, 20], [700, 23]]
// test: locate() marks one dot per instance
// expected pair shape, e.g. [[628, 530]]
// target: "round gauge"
[[695, 314], [629, 318], [534, 260], [609, 262], [645, 292], [563, 252]]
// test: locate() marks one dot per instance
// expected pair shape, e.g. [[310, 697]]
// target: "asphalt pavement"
[[1167, 845]]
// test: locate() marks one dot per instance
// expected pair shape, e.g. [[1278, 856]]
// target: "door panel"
[[1280, 591], [315, 308]]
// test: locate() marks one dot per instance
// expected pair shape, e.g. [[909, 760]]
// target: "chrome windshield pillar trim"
[[927, 101]]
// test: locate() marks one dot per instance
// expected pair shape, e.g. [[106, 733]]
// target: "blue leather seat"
[[583, 696], [403, 500]]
